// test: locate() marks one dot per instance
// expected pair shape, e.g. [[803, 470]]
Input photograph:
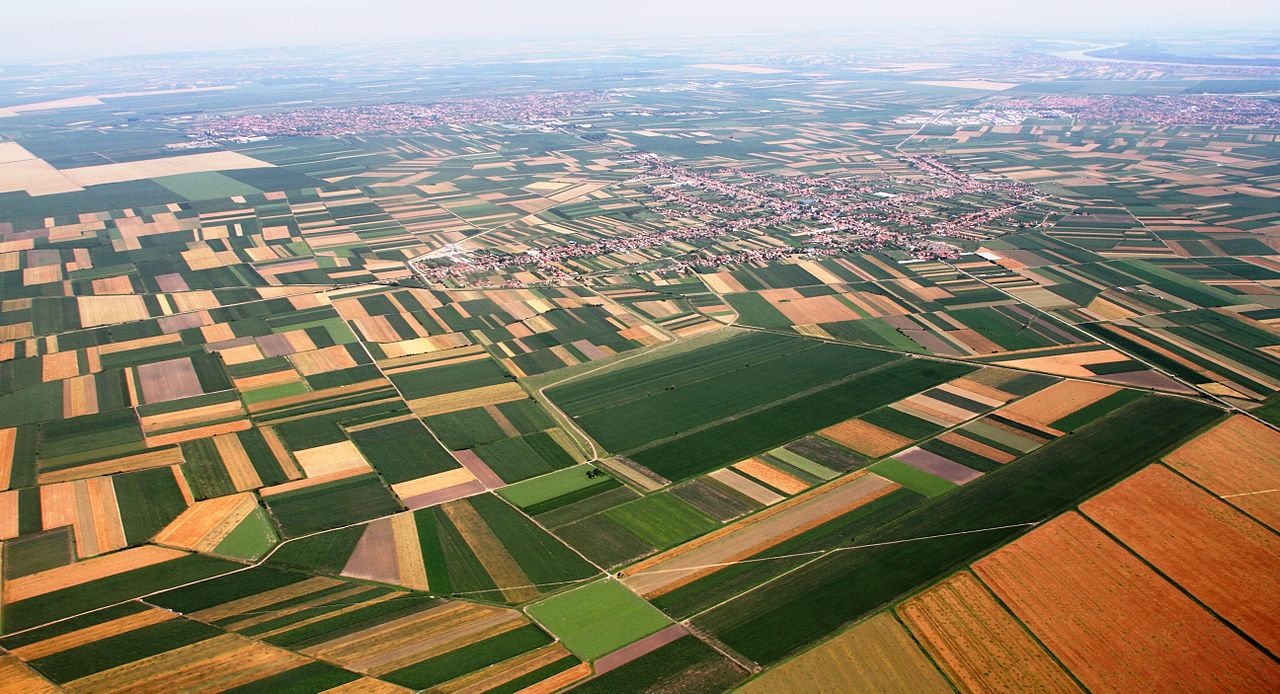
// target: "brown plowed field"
[[1226, 560], [978, 644], [1236, 460], [1116, 624]]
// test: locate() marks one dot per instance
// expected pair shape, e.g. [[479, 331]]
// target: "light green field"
[[911, 478], [206, 186], [550, 486], [251, 539], [598, 618]]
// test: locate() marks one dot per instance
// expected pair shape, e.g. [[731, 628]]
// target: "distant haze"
[[59, 29]]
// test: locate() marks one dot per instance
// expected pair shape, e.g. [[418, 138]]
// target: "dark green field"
[[785, 615]]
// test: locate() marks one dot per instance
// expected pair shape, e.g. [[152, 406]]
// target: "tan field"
[[8, 439], [368, 685], [17, 677], [389, 552], [466, 399], [1219, 555], [97, 632], [1239, 460], [59, 365], [977, 643], [433, 483], [495, 676], [865, 438], [244, 476], [21, 170], [9, 521], [1042, 408], [213, 665], [746, 486], [874, 656], [159, 457], [258, 601], [322, 360], [79, 396], [423, 634], [90, 507], [186, 418], [165, 166], [762, 472], [206, 523], [333, 459], [106, 310], [1071, 364], [968, 444], [489, 550], [801, 310], [700, 557], [85, 571], [1113, 622]]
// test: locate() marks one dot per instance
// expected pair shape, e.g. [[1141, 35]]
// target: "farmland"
[[873, 366]]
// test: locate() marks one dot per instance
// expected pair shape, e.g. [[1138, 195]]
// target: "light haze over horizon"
[[68, 29]]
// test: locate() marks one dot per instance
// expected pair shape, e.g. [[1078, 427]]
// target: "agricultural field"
[[840, 367]]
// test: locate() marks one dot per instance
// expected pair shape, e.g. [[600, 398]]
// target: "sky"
[[58, 29]]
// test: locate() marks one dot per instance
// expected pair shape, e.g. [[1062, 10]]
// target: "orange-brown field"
[[79, 637], [90, 507], [865, 438], [763, 472], [8, 439], [85, 571], [17, 677], [1115, 623], [1239, 460], [206, 523], [875, 656], [977, 643], [1047, 406], [1219, 555], [213, 665]]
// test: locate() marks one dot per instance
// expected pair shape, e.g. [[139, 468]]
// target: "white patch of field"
[[165, 166], [52, 105], [96, 100], [984, 85], [751, 69], [22, 170], [163, 92]]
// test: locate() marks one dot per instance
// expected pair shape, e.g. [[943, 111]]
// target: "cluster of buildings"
[[1176, 109], [392, 118], [853, 217]]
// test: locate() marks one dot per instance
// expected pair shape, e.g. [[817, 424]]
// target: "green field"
[[598, 618], [557, 488], [783, 616]]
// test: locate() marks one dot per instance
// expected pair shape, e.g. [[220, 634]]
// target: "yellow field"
[[874, 656]]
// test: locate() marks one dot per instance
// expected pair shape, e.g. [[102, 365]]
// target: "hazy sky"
[[54, 29]]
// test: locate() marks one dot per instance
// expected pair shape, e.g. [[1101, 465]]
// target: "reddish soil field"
[[1115, 623], [1222, 557]]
